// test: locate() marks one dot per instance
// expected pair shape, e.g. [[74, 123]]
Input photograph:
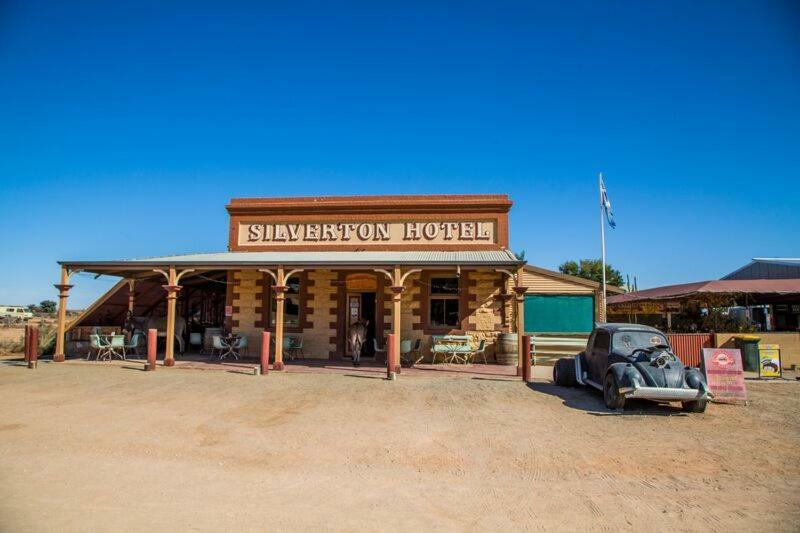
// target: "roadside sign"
[[769, 361], [725, 374]]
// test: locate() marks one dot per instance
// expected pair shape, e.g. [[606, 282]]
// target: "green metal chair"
[[95, 346], [133, 346], [378, 351], [117, 347], [481, 351], [241, 345]]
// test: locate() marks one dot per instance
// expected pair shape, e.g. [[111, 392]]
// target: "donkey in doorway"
[[356, 337]]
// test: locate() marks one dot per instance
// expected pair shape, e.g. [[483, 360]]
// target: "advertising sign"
[[725, 374], [769, 361], [228, 310], [646, 308]]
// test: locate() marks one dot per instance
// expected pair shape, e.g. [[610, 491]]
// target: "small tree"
[[48, 307], [592, 269]]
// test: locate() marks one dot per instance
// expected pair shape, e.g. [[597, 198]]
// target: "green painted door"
[[559, 314]]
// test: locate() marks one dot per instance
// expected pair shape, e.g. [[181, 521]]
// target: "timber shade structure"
[[757, 291], [416, 266]]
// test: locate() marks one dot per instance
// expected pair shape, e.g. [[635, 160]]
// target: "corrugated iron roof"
[[685, 290], [779, 260], [767, 268], [498, 258]]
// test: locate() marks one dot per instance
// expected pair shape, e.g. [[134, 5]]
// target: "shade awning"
[[773, 287], [327, 259]]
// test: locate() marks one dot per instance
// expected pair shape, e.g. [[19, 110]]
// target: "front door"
[[353, 316], [361, 306]]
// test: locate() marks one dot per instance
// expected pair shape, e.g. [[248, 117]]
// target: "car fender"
[[627, 375], [695, 380]]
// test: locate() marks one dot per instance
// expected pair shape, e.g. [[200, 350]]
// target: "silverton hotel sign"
[[367, 233], [378, 223]]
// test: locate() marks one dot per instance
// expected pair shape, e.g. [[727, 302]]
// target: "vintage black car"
[[633, 361]]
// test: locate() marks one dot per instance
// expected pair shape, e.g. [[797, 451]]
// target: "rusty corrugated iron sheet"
[[689, 346]]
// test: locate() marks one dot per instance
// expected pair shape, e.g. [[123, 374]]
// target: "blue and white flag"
[[606, 204]]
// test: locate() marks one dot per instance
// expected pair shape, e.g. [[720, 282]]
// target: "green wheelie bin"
[[748, 345]]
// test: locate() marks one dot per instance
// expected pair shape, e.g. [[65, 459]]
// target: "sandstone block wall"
[[247, 304], [322, 291], [485, 316]]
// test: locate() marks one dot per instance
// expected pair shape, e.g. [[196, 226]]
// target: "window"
[[291, 306], [602, 341], [444, 302]]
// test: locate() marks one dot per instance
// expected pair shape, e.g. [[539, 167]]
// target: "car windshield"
[[625, 342]]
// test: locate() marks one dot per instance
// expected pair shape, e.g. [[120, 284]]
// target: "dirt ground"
[[97, 447]]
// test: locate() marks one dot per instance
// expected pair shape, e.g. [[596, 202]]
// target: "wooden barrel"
[[507, 347]]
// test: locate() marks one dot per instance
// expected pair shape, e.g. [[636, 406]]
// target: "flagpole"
[[603, 249]]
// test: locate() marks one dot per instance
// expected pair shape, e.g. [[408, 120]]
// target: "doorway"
[[361, 306]]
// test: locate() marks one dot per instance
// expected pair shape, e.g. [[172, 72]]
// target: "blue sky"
[[126, 127]]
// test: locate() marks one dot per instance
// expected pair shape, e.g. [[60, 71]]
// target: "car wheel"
[[698, 406], [564, 372], [613, 399]]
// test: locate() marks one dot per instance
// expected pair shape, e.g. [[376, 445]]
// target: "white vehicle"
[[14, 313]]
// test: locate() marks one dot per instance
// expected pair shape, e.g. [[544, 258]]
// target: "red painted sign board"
[[725, 374]]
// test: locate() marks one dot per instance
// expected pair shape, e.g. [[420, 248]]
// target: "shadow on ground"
[[591, 401]]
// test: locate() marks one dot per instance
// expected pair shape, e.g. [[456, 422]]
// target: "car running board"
[[593, 384]]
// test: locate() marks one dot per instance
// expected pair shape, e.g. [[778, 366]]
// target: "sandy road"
[[108, 448]]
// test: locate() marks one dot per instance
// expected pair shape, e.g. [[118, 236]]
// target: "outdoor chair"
[[241, 345], [481, 351], [287, 347], [117, 346], [297, 346], [95, 346], [416, 351], [405, 352], [217, 346], [293, 347], [196, 339], [134, 344], [378, 351]]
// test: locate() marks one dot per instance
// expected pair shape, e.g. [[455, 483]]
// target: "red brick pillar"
[[391, 357], [27, 343], [265, 338], [526, 358], [152, 345], [33, 356]]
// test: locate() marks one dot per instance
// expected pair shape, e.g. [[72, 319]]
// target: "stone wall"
[[319, 338], [247, 304], [484, 317]]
